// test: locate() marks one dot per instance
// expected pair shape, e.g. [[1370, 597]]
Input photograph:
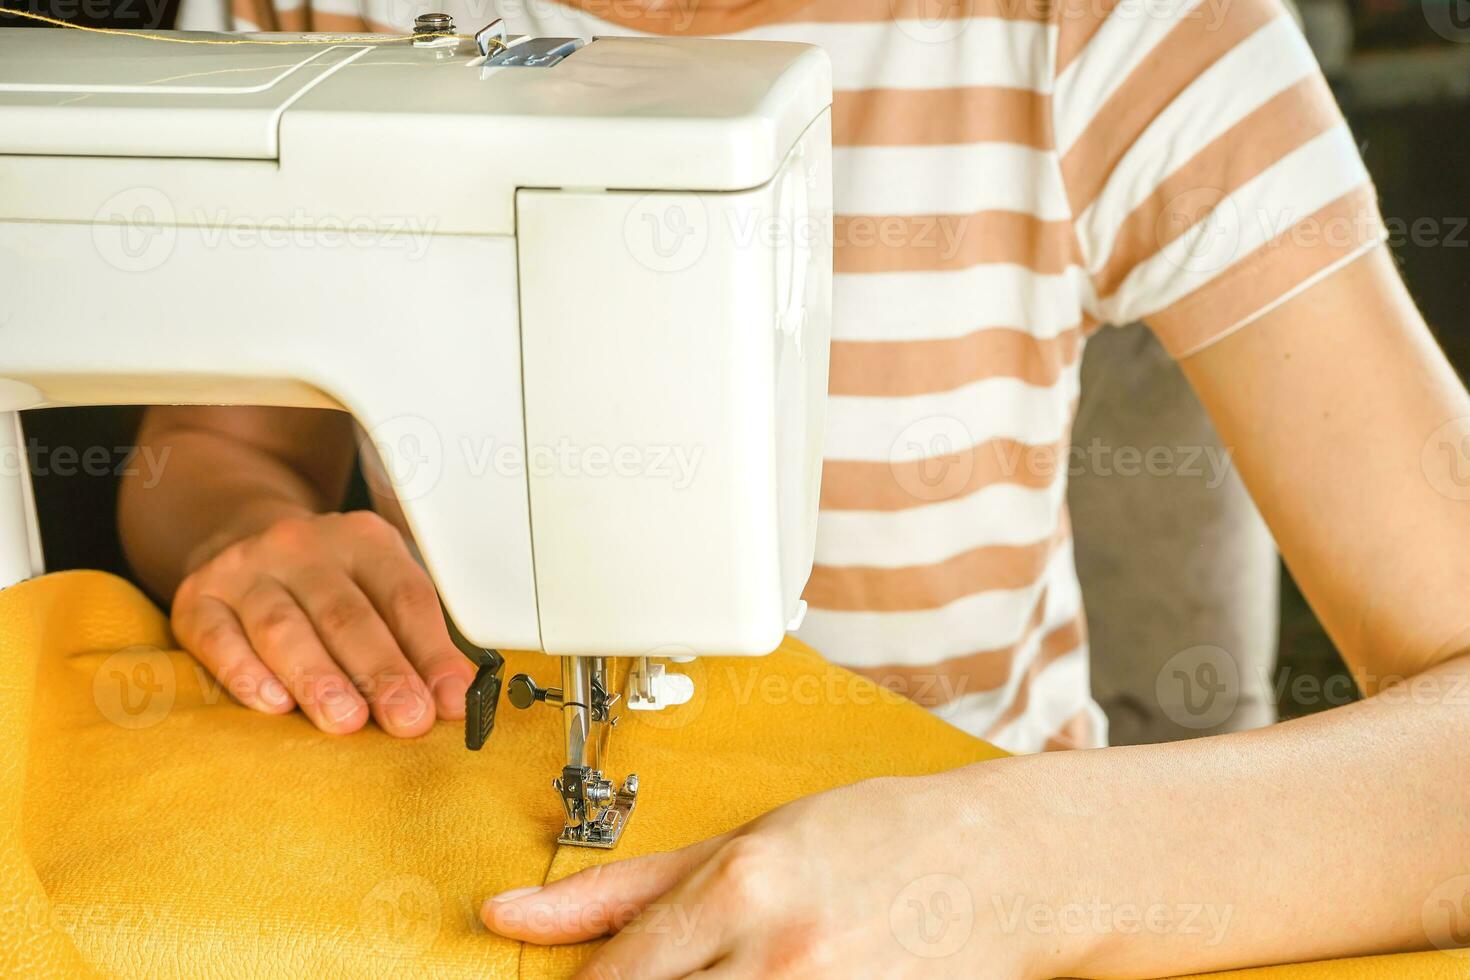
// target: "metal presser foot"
[[596, 813]]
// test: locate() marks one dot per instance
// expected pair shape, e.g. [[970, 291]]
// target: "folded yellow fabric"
[[149, 826]]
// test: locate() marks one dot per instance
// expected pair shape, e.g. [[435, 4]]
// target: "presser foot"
[[596, 816]]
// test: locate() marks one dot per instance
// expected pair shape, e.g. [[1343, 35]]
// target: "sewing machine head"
[[577, 294]]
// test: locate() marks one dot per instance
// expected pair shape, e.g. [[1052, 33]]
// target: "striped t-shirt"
[[1009, 174]]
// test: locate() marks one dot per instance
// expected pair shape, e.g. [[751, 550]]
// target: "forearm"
[[212, 490], [1315, 838]]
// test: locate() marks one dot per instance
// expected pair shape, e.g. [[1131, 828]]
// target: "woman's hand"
[[329, 612], [886, 878]]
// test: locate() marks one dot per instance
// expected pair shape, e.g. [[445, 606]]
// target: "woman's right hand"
[[329, 613]]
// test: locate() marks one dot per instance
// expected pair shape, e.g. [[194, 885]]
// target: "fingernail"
[[450, 691], [273, 693], [516, 893], [340, 706], [407, 707]]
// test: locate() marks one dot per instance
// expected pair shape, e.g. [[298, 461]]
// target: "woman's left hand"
[[889, 877]]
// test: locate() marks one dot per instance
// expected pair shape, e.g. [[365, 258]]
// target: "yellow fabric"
[[152, 827]]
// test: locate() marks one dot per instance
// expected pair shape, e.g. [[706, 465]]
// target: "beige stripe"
[[726, 17], [1078, 21], [1075, 733], [898, 368], [1312, 245], [261, 13], [347, 23], [946, 242], [864, 485], [940, 117], [934, 684], [861, 588], [928, 11], [298, 19], [1055, 645], [1174, 63], [264, 14], [1241, 153], [679, 17]]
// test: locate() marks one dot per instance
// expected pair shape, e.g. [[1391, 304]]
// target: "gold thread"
[[314, 39]]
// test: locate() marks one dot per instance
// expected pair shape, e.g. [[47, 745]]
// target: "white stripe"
[[1296, 186], [893, 430], [991, 51], [1004, 514], [399, 14], [1127, 37], [1267, 63], [983, 621], [204, 15], [945, 305], [976, 713], [1056, 694], [1063, 607], [879, 55], [1063, 590], [960, 179]]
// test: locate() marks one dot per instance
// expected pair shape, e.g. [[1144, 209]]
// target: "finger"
[[405, 597], [725, 968], [359, 641], [593, 902], [287, 643], [675, 935], [209, 629]]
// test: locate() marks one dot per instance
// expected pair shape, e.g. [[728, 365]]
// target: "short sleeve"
[[1209, 171]]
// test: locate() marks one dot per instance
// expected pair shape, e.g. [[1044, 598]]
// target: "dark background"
[[1402, 74]]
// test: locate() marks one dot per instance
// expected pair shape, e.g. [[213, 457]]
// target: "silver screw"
[[433, 24]]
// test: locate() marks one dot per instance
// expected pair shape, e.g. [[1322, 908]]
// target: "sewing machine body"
[[578, 300], [581, 311]]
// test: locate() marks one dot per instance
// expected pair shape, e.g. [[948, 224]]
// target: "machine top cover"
[[618, 113]]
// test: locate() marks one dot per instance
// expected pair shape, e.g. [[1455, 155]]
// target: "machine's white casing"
[[581, 311]]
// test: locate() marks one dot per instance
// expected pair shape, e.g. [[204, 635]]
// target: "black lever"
[[480, 700], [483, 693]]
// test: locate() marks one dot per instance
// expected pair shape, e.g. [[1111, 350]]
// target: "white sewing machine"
[[577, 294]]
